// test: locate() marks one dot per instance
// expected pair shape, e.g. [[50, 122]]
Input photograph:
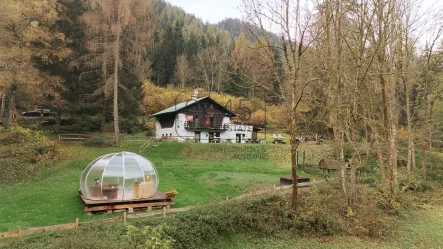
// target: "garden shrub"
[[97, 140], [107, 236], [206, 225], [147, 237], [24, 152], [15, 135], [320, 212]]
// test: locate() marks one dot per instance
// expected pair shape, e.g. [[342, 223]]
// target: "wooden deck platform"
[[159, 200]]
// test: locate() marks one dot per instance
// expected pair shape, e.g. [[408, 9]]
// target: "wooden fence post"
[[303, 161], [124, 217], [274, 188], [227, 198], [296, 157], [164, 211], [76, 223]]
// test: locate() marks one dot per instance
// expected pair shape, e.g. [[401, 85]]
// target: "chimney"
[[195, 95]]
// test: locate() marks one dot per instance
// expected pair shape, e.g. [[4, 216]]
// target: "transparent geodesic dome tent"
[[119, 176]]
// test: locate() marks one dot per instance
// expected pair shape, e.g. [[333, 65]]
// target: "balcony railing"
[[191, 125]]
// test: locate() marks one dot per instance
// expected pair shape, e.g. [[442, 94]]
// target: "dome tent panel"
[[148, 169], [133, 174], [119, 176], [92, 174]]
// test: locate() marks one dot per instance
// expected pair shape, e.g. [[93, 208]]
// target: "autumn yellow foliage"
[[159, 98]]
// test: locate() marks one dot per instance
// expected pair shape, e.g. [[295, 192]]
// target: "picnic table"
[[278, 139], [253, 141]]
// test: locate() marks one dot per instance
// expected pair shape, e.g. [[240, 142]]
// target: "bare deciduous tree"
[[291, 22], [182, 70]]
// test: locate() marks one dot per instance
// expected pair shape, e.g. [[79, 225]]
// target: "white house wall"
[[179, 132]]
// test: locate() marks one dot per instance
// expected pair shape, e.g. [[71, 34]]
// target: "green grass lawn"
[[201, 173], [51, 196]]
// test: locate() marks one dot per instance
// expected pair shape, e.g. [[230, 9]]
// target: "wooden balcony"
[[191, 125]]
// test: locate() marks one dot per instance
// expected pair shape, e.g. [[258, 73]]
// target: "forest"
[[360, 72]]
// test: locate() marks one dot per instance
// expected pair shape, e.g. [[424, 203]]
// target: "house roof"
[[182, 105]]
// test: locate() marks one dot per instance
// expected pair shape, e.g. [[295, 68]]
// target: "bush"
[[415, 185], [97, 140], [15, 135], [320, 212], [148, 237], [206, 225], [107, 236], [24, 152]]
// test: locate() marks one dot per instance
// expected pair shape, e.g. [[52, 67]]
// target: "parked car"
[[38, 112]]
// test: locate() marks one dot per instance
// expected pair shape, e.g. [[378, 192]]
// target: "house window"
[[211, 106], [170, 135], [217, 134]]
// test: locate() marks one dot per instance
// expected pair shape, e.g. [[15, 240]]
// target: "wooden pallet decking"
[[158, 200]]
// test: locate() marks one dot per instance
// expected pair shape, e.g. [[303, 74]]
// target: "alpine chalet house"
[[201, 120]]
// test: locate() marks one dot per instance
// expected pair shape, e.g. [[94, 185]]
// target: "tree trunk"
[[410, 135], [57, 122], [423, 164], [368, 139], [342, 181], [380, 161], [115, 109], [294, 145], [430, 121], [2, 106], [393, 175], [104, 113], [414, 165], [11, 105], [352, 186]]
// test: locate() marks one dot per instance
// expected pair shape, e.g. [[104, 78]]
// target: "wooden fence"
[[79, 137], [124, 217]]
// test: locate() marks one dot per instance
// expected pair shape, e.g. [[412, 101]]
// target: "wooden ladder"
[[146, 145]]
